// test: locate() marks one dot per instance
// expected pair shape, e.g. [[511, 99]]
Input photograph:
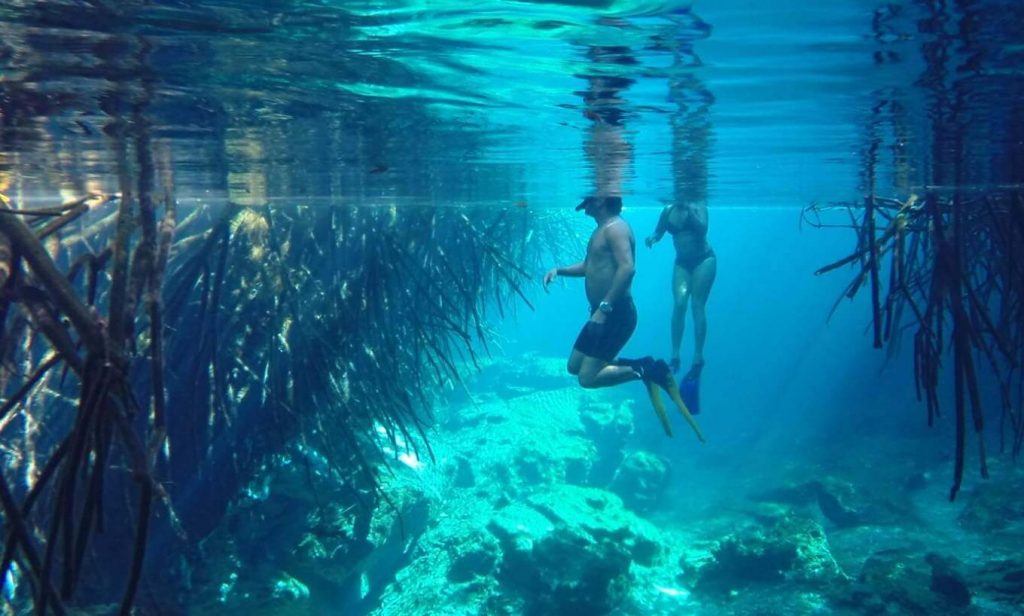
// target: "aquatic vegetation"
[[326, 325], [954, 276]]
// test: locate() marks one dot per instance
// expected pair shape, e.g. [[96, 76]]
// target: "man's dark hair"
[[614, 204]]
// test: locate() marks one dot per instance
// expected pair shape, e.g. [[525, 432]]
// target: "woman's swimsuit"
[[689, 259]]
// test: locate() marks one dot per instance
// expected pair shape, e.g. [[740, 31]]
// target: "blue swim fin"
[[689, 391]]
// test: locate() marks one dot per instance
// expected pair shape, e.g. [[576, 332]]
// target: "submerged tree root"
[[955, 275], [51, 545]]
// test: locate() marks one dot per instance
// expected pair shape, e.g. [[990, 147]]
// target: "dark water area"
[[288, 333]]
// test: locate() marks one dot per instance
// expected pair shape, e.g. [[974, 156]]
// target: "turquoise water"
[[312, 92], [368, 410]]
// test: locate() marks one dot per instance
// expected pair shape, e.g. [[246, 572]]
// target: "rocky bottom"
[[543, 498]]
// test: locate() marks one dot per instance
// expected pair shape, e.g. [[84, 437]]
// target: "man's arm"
[[618, 237], [576, 270]]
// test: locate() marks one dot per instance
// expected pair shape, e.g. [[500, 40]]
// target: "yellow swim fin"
[[659, 406]]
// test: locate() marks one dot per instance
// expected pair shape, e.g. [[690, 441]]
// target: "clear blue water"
[[758, 108], [317, 94]]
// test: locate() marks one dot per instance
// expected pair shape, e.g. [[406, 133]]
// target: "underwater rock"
[[288, 587], [587, 512], [815, 562], [844, 504], [994, 506], [892, 583], [767, 513], [888, 585], [279, 540], [529, 535], [526, 375], [453, 566], [608, 425], [833, 508], [794, 550], [520, 445], [948, 581], [287, 545], [464, 476], [641, 480], [831, 496], [478, 561], [570, 550], [1003, 579], [564, 573], [738, 563]]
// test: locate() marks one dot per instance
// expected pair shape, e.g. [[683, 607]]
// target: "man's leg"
[[596, 373], [575, 362], [599, 343]]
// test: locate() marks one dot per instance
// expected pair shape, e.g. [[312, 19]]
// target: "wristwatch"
[[605, 307]]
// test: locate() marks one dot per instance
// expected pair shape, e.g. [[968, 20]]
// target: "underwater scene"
[[410, 307]]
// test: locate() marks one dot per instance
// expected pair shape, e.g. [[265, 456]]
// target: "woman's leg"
[[681, 284], [701, 282]]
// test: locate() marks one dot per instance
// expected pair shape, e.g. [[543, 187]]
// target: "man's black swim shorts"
[[605, 340]]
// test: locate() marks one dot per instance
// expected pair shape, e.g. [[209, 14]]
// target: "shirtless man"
[[608, 270]]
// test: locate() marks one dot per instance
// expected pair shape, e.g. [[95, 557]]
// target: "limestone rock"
[[570, 549], [948, 581], [641, 480], [608, 425], [995, 506], [891, 582], [795, 549]]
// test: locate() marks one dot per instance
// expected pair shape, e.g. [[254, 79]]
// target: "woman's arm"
[[659, 230]]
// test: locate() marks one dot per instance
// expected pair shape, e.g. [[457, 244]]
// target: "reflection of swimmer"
[[692, 276], [606, 146]]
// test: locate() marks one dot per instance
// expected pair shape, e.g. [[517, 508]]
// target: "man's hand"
[[650, 241], [551, 275], [598, 317]]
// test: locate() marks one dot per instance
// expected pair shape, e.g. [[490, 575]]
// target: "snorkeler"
[[692, 278], [608, 269]]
